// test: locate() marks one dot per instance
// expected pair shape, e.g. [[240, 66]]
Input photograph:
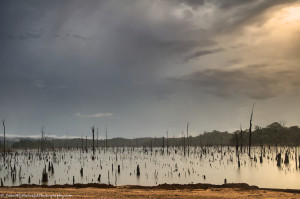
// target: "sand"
[[161, 191]]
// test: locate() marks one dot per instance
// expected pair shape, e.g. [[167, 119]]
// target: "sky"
[[141, 68]]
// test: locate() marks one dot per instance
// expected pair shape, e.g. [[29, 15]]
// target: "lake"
[[202, 165]]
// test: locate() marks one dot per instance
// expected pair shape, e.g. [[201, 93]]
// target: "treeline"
[[271, 135], [8, 145], [31, 144], [208, 138]]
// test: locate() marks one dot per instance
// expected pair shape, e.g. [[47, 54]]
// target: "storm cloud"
[[139, 66], [254, 81]]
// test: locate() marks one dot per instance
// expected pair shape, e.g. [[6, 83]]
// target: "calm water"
[[157, 167]]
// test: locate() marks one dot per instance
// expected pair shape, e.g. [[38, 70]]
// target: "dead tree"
[[187, 138], [250, 130], [278, 158], [184, 145], [296, 157], [97, 138], [241, 138], [237, 142], [82, 143], [221, 146], [86, 147], [138, 173], [182, 140], [44, 175], [286, 159], [3, 123], [167, 143], [93, 133], [173, 141], [238, 156], [42, 138], [261, 146], [105, 138]]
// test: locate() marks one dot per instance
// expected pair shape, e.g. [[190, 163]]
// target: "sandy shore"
[[161, 191]]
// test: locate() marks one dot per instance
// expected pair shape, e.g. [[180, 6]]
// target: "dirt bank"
[[160, 191]]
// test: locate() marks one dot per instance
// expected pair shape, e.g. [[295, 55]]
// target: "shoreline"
[[243, 186], [162, 191]]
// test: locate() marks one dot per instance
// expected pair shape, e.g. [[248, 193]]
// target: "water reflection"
[[119, 166]]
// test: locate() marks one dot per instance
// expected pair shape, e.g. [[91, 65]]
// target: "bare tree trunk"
[[261, 147], [187, 138], [237, 147], [105, 138], [182, 140], [238, 156], [173, 141], [3, 122], [237, 142], [97, 138], [241, 138], [221, 145], [296, 157], [183, 145], [250, 131], [42, 138], [93, 133], [167, 143], [86, 147]]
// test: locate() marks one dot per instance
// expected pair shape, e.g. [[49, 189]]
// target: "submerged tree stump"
[[52, 169], [138, 170], [278, 158], [286, 159], [261, 159], [81, 171], [45, 176]]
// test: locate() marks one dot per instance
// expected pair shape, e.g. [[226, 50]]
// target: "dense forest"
[[273, 134]]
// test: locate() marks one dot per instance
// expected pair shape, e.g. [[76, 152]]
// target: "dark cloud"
[[59, 58], [202, 53], [194, 3], [254, 81]]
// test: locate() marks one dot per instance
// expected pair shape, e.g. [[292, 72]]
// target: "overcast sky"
[[142, 67]]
